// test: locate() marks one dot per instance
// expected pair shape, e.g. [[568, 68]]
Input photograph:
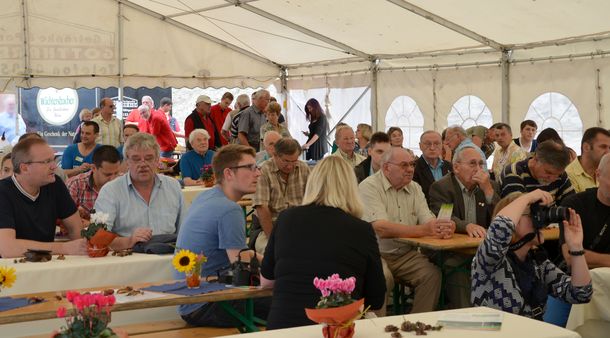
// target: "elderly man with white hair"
[[346, 142], [135, 116], [231, 124], [141, 203], [252, 118], [396, 207], [456, 139], [193, 161], [155, 123]]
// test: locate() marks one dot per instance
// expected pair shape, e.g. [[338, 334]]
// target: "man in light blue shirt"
[[215, 226], [141, 203], [10, 121]]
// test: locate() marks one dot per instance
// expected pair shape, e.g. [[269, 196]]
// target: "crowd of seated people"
[[342, 216]]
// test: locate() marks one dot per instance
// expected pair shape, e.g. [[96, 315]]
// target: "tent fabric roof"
[[248, 42]]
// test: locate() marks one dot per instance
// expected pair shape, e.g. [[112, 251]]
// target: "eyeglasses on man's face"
[[146, 159], [404, 165], [474, 163], [253, 167], [48, 162], [431, 144]]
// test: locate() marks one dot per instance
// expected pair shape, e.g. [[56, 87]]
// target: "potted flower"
[[8, 276], [97, 235], [91, 316], [188, 262], [336, 308], [207, 175]]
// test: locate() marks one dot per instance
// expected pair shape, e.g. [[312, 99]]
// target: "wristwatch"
[[576, 253]]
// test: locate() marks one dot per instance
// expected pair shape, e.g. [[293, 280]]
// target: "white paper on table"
[[471, 321], [122, 298]]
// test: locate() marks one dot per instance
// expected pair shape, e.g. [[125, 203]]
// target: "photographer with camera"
[[510, 274]]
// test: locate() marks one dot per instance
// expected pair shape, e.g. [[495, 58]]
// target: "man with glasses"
[[111, 129], [281, 186], [470, 191], [430, 167], [396, 207], [31, 201], [141, 203], [215, 225], [455, 139], [472, 194]]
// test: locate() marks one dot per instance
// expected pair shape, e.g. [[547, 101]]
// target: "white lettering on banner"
[[57, 106]]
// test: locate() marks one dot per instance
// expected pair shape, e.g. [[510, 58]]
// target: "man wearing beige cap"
[[480, 137], [200, 119]]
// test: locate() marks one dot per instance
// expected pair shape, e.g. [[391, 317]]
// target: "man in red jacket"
[[219, 112], [157, 125], [134, 115]]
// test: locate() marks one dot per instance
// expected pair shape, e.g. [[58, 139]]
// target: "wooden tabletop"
[[48, 309], [462, 241]]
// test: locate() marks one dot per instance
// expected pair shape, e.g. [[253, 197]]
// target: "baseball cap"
[[204, 98], [479, 131]]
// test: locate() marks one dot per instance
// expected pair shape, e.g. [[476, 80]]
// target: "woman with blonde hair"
[[322, 237]]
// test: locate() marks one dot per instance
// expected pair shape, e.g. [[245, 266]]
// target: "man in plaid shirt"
[[85, 187], [280, 186]]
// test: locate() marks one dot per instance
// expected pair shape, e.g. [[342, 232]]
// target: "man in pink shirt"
[[157, 125], [219, 113]]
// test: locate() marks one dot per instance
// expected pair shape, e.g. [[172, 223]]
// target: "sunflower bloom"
[[184, 261], [7, 277]]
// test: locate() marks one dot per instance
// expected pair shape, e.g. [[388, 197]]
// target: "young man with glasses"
[[111, 129], [281, 186], [31, 201], [141, 203], [430, 167], [215, 225], [396, 207]]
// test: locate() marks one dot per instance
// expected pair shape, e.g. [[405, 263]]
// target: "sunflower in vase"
[[190, 263]]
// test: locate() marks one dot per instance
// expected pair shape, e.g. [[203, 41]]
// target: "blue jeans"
[[557, 311]]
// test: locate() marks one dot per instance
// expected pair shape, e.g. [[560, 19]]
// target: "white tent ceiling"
[[230, 42]]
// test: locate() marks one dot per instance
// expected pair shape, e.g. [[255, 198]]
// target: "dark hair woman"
[[316, 145]]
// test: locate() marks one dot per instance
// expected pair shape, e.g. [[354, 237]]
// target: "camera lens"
[[557, 214]]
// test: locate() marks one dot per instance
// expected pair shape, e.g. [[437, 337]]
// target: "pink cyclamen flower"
[[61, 312]]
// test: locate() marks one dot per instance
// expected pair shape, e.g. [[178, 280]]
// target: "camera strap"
[[520, 243]]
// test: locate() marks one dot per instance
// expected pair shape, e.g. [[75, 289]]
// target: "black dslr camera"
[[543, 215]]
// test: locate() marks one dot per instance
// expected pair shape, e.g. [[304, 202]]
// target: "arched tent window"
[[469, 111], [405, 114], [555, 110]]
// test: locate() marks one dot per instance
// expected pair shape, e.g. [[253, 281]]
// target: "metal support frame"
[[505, 91], [26, 43], [448, 24], [347, 49], [598, 97], [121, 61], [350, 109], [374, 93], [205, 9], [199, 33]]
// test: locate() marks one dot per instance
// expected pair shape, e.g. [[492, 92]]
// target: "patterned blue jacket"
[[494, 283]]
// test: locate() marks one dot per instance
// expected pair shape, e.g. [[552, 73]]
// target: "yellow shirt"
[[502, 158], [354, 161], [580, 180]]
